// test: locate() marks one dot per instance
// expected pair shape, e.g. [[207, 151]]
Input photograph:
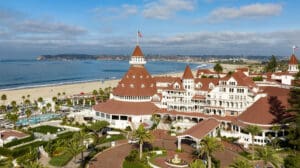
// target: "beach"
[[77, 88], [70, 89]]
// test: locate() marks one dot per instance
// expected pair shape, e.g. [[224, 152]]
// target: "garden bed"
[[44, 129]]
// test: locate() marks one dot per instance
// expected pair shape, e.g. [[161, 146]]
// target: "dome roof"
[[137, 52], [136, 82], [293, 60]]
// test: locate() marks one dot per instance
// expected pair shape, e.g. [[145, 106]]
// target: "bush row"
[[19, 141]]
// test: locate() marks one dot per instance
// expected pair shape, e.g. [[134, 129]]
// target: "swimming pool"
[[36, 119]]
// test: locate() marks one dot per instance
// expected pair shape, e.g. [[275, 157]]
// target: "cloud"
[[256, 10], [38, 26], [120, 12], [165, 9], [20, 24]]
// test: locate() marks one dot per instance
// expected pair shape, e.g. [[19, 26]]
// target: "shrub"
[[132, 156], [5, 152], [60, 160], [25, 148], [112, 138], [19, 141], [257, 78], [292, 161], [44, 129]]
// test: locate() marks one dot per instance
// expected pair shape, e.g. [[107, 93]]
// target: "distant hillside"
[[181, 58]]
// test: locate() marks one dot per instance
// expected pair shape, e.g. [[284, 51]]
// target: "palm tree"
[[34, 164], [73, 147], [28, 96], [197, 164], [29, 157], [241, 163], [27, 102], [28, 113], [268, 154], [208, 145], [44, 109], [40, 100], [96, 127], [218, 68], [13, 117], [142, 135], [156, 119], [48, 105], [54, 99], [81, 136], [253, 130], [4, 98], [6, 163], [95, 93], [13, 103]]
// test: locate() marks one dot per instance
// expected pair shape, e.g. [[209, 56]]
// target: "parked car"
[[133, 141]]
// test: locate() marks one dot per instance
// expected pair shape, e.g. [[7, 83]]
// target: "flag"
[[140, 34], [295, 47]]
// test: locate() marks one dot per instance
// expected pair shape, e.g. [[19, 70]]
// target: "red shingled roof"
[[11, 133], [126, 108], [165, 79], [136, 82], [241, 79], [293, 60], [187, 73], [205, 83], [259, 113], [201, 129], [137, 52]]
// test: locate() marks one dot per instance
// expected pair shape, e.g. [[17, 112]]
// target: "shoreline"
[[50, 90]]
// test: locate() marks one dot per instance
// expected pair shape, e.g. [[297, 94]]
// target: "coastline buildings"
[[228, 103]]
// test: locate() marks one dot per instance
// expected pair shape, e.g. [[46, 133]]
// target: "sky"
[[29, 28]]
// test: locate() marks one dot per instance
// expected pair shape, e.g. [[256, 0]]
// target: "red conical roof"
[[136, 82], [137, 52], [187, 73], [293, 60]]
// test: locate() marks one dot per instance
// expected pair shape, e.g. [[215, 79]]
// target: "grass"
[[135, 164], [60, 160], [112, 138], [44, 129], [19, 141]]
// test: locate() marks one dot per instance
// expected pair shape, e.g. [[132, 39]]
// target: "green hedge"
[[5, 152], [17, 152], [65, 135], [112, 138], [44, 129], [60, 160], [19, 141]]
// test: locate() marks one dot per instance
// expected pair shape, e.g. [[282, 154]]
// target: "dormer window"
[[211, 86], [141, 76], [131, 85], [133, 76], [142, 86], [151, 85], [123, 85]]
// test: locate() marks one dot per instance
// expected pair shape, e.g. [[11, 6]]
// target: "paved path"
[[111, 158]]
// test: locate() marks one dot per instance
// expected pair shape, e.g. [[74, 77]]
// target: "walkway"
[[111, 158]]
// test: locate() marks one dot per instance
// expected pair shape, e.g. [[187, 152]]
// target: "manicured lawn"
[[44, 129], [127, 164], [60, 160], [112, 138]]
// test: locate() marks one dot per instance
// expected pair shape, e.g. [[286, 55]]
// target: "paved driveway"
[[111, 158]]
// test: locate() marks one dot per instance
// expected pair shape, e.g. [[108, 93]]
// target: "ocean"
[[17, 74]]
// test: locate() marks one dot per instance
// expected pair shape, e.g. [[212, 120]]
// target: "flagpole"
[[294, 48], [137, 38]]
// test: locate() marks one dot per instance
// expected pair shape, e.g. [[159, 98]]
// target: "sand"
[[72, 89]]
